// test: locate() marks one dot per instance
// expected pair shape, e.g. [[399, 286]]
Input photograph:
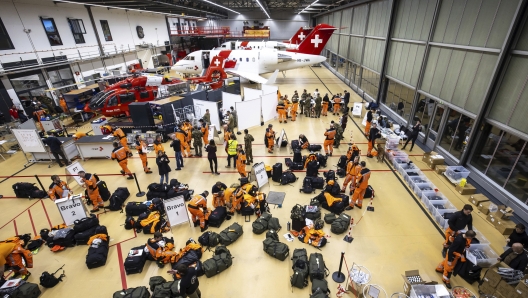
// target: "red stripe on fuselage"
[[225, 54], [244, 43]]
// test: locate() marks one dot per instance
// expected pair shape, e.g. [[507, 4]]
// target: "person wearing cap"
[[58, 188], [295, 106], [56, 149], [270, 138], [141, 148], [329, 140], [78, 135], [121, 154], [198, 208], [458, 221], [362, 182], [189, 285]]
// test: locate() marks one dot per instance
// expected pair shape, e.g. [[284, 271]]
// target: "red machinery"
[[215, 75]]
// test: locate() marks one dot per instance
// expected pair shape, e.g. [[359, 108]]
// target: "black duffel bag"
[[86, 223]]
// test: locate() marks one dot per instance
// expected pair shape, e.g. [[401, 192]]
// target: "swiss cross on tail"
[[316, 40], [299, 36]]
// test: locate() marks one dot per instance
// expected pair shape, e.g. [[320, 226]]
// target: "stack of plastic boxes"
[[393, 141], [456, 173]]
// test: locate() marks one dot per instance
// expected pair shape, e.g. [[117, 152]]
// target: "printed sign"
[[259, 172], [71, 209], [74, 169], [356, 110], [176, 211]]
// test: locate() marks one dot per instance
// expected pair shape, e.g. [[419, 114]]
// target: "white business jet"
[[292, 43]]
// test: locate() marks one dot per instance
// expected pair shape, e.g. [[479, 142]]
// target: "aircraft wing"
[[247, 75]]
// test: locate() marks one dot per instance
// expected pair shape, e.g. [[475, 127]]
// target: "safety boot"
[[204, 229]]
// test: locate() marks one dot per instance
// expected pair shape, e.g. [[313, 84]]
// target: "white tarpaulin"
[[267, 89], [250, 94], [269, 106], [229, 100], [213, 111], [248, 113]]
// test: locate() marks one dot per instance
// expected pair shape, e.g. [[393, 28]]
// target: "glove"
[[449, 263]]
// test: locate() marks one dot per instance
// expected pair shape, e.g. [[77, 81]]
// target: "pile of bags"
[[315, 268], [167, 191]]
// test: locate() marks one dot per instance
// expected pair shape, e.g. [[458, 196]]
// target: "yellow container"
[[463, 182]]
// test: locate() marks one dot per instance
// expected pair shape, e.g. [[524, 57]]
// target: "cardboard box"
[[490, 218], [409, 279], [484, 207], [503, 213], [466, 190], [436, 159], [505, 289], [440, 169], [522, 289], [504, 226], [492, 278], [426, 155], [487, 288], [476, 199]]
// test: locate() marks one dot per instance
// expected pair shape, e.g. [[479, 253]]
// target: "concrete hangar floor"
[[398, 236]]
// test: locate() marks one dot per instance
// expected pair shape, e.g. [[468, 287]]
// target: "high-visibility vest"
[[232, 147]]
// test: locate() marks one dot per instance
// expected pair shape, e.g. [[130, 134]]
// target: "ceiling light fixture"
[[308, 6], [262, 7], [223, 7]]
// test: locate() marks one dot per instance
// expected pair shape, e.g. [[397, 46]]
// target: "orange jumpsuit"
[[78, 135], [182, 136], [158, 147], [287, 105], [93, 191], [270, 136], [293, 112], [160, 253], [197, 202], [119, 134], [241, 164], [312, 236], [337, 105], [367, 128], [220, 200], [281, 110], [205, 132], [64, 106], [455, 256], [121, 155], [352, 171], [359, 192], [449, 236], [12, 254], [329, 141], [143, 155], [235, 201], [55, 190], [324, 112], [330, 199], [187, 127], [308, 159]]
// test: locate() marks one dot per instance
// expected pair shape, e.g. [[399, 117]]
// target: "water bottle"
[[288, 226]]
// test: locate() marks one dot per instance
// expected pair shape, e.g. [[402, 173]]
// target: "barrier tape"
[[144, 126]]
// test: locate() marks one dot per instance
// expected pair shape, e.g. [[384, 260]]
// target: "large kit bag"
[[139, 292], [67, 241], [155, 281], [23, 290], [158, 187], [82, 238], [319, 294], [287, 178], [118, 198], [312, 212], [135, 262], [86, 223], [97, 256], [217, 217], [342, 163], [103, 190], [24, 189], [329, 175], [135, 208], [276, 249], [276, 172], [295, 145], [300, 268], [318, 182], [272, 234], [167, 290], [322, 160], [329, 218], [209, 239], [320, 285], [231, 234], [313, 148], [340, 225], [312, 169], [221, 260], [297, 156], [273, 224], [307, 185], [316, 267], [260, 225]]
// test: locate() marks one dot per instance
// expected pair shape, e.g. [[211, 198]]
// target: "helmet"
[[318, 224]]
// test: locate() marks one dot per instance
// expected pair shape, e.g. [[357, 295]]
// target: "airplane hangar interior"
[[225, 148]]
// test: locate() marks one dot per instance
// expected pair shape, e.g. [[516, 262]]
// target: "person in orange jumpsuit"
[[324, 111], [369, 121], [121, 154], [64, 105], [198, 208], [14, 255], [241, 162], [287, 106], [227, 134], [352, 171], [158, 145], [281, 110], [352, 152], [120, 135], [78, 135], [303, 141], [362, 180], [235, 201], [270, 137], [160, 249], [337, 105], [218, 190], [90, 184], [187, 127], [455, 253], [310, 157], [182, 136], [294, 106], [373, 135], [57, 188], [328, 144], [141, 148], [204, 128]]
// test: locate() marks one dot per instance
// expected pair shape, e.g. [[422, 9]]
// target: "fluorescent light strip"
[[132, 9], [308, 6], [223, 7], [262, 7]]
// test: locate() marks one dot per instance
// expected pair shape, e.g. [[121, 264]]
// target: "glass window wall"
[[342, 66], [424, 111], [370, 82], [456, 130], [399, 99]]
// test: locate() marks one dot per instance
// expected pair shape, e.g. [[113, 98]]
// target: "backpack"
[[319, 294], [297, 212], [260, 225], [342, 162], [276, 249], [340, 225], [307, 185], [312, 168], [287, 178], [312, 212], [300, 268], [48, 280], [130, 223], [320, 284], [322, 160], [221, 260], [330, 175], [23, 290], [316, 267], [209, 239], [273, 224], [167, 289], [156, 281], [272, 234], [139, 292], [341, 172]]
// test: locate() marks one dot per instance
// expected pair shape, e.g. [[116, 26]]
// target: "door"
[[431, 133]]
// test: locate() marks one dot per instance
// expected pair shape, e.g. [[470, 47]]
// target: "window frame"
[[49, 34], [109, 36], [77, 35], [5, 34]]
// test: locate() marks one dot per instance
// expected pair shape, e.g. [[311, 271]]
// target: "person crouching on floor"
[[160, 249], [198, 208]]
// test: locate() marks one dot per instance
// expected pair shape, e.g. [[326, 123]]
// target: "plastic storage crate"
[[456, 172], [438, 213], [437, 291], [395, 152], [431, 196], [402, 167], [393, 141], [414, 176], [490, 255], [419, 187]]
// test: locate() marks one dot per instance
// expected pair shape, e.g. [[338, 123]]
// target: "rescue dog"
[[381, 153]]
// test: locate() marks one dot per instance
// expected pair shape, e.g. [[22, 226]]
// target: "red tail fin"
[[314, 42], [215, 74], [300, 35]]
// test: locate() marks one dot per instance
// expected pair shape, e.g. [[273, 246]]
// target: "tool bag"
[[340, 225], [220, 261], [24, 290], [273, 224], [313, 148], [319, 294], [287, 178], [295, 144], [341, 172], [24, 189], [276, 249], [48, 280], [217, 217], [260, 225], [297, 156], [318, 182], [209, 239], [329, 175], [82, 238], [167, 289], [135, 208], [320, 284], [307, 185], [118, 198], [155, 281], [312, 212], [134, 263], [139, 292], [231, 234], [316, 267], [342, 163], [329, 218], [97, 256], [272, 234], [312, 169], [86, 223]]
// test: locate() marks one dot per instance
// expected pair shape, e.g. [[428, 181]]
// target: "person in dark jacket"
[[518, 236], [369, 122], [515, 257], [211, 156], [55, 148], [163, 166], [458, 221], [346, 99], [374, 133], [455, 253], [176, 145], [413, 135], [189, 281]]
